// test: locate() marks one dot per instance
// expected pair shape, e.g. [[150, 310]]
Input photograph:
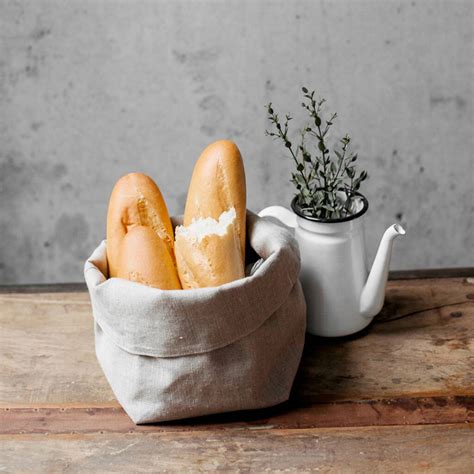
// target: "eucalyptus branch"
[[326, 185], [282, 134]]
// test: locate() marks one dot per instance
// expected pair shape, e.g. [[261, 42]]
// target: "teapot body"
[[333, 274], [342, 297]]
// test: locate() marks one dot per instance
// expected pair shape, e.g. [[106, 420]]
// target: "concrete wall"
[[90, 90]]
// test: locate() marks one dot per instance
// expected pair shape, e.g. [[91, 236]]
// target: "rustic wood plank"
[[410, 350], [44, 288], [405, 411], [47, 353], [379, 449], [455, 272]]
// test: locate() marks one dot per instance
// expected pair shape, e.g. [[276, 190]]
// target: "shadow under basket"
[[173, 354]]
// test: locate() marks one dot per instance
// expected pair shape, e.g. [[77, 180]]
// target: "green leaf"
[[300, 167], [304, 90], [317, 120], [321, 146]]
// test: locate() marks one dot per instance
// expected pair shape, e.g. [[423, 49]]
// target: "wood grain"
[[44, 288], [47, 353], [414, 274], [404, 411], [420, 345], [397, 397], [446, 448]]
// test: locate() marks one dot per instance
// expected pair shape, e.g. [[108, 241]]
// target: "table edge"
[[79, 287]]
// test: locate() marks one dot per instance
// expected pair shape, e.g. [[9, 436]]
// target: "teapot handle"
[[281, 213]]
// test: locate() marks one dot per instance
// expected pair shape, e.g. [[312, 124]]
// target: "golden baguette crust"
[[211, 261], [145, 259], [217, 184], [136, 201]]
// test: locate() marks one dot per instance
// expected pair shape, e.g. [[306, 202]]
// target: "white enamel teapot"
[[341, 296]]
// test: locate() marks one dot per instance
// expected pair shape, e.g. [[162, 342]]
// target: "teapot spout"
[[373, 293]]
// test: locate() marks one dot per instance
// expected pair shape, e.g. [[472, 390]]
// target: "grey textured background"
[[90, 90]]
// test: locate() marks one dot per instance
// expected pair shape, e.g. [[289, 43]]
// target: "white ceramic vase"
[[342, 297]]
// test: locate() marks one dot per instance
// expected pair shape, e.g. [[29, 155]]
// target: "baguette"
[[217, 185], [208, 252], [140, 242]]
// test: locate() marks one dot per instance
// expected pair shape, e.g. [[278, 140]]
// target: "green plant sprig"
[[326, 183]]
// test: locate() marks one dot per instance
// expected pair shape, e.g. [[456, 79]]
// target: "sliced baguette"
[[208, 252], [218, 184]]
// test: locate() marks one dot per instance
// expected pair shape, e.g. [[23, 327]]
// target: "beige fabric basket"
[[183, 353]]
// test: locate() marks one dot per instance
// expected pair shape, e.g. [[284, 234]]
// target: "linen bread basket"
[[172, 354]]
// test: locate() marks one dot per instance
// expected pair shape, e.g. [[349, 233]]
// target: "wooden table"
[[397, 398]]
